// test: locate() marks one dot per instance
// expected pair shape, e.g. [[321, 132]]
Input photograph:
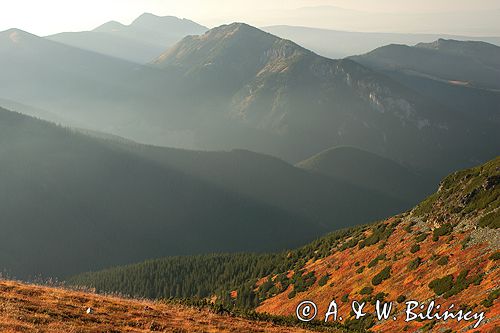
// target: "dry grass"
[[344, 279], [31, 308]]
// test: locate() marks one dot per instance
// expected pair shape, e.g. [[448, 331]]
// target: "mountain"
[[292, 103], [463, 76], [340, 44], [90, 197], [469, 63], [365, 169], [38, 71], [445, 249], [84, 89], [140, 42], [54, 310]]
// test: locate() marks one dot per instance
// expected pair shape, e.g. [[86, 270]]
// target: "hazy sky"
[[50, 16]]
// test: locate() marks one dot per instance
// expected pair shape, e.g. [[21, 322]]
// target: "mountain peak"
[[236, 26], [16, 36], [152, 21], [439, 43], [146, 17], [238, 41], [110, 26], [16, 31]]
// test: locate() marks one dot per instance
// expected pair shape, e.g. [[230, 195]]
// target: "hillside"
[[358, 167], [446, 248], [75, 85], [141, 41], [31, 308], [92, 196]]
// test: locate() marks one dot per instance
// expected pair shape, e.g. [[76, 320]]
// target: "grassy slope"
[[459, 222], [30, 308]]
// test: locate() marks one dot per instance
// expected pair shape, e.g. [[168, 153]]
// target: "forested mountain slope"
[[91, 198]]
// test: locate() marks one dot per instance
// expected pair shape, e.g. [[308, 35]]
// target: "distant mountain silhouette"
[[468, 63], [140, 42], [84, 88], [462, 75], [340, 44]]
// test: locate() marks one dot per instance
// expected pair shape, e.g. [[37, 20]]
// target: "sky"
[[468, 17]]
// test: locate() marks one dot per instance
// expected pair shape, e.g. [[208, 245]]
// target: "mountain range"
[[239, 87], [307, 103]]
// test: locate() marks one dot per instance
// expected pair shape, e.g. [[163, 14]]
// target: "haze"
[[444, 16]]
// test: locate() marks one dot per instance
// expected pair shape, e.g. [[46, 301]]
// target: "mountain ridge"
[[357, 166], [140, 42], [467, 62]]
